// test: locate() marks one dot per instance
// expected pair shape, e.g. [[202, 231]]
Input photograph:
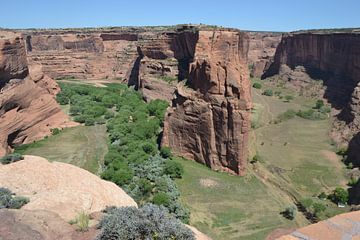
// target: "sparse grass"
[[82, 221], [235, 207], [83, 146], [297, 161]]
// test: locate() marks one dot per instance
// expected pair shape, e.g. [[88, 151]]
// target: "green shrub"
[[322, 196], [289, 114], [256, 158], [147, 222], [157, 108], [10, 158], [161, 198], [311, 114], [268, 92], [173, 169], [80, 118], [89, 121], [339, 195], [165, 152], [257, 85], [319, 104], [288, 98], [290, 212], [9, 200], [55, 131], [342, 151]]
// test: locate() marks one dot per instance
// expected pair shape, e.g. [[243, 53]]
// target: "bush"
[[10, 158], [322, 196], [257, 85], [148, 222], [268, 92], [311, 114], [290, 212], [339, 195], [288, 98], [319, 104], [289, 114], [256, 158], [8, 200], [173, 169], [55, 131], [161, 198], [165, 152], [89, 121]]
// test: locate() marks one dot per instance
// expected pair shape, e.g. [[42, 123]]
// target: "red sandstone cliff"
[[211, 126], [210, 118], [333, 57], [28, 109], [262, 49]]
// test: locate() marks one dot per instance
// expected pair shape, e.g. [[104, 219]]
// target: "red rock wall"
[[335, 59], [28, 109], [210, 118], [262, 49]]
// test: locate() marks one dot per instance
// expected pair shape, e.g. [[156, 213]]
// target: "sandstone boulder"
[[61, 188], [343, 226]]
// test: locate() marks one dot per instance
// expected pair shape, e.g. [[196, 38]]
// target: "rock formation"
[[334, 58], [209, 120], [60, 187], [262, 49], [38, 225], [154, 60], [28, 110], [343, 226]]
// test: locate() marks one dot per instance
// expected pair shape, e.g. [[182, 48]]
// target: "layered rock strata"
[[28, 110], [209, 120]]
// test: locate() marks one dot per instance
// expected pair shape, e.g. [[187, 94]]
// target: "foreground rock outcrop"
[[28, 110], [38, 225], [343, 226], [61, 188], [209, 120]]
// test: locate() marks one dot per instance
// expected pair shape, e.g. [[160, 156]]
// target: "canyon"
[[28, 110], [332, 57], [211, 61], [203, 72]]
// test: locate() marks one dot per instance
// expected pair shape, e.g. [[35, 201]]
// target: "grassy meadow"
[[82, 146]]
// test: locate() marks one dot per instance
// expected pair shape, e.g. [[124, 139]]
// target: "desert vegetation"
[[10, 158], [148, 222], [9, 200], [134, 160]]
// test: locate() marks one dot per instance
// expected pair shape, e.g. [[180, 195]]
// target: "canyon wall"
[[334, 58], [211, 126], [209, 120], [28, 109], [262, 49]]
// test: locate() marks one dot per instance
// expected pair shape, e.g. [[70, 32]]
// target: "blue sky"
[[272, 15]]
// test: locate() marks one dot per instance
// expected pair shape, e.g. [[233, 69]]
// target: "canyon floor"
[[295, 160]]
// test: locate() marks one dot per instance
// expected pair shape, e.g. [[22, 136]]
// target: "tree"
[[165, 152], [319, 104], [290, 212], [340, 195], [161, 198], [257, 85], [173, 169], [268, 92]]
